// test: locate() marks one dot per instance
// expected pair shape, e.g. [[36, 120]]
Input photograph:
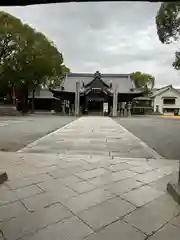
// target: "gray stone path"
[[78, 192], [92, 136]]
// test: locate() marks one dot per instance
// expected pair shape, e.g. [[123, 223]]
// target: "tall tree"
[[168, 22], [10, 32], [27, 58], [143, 81], [168, 26]]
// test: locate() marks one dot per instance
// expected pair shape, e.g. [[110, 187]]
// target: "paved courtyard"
[[17, 132], [92, 136], [91, 179], [161, 134]]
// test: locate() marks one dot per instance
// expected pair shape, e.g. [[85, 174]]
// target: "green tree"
[[10, 31], [168, 22], [65, 69], [143, 81], [27, 58], [168, 26]]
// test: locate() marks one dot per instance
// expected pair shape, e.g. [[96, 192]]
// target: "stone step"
[[9, 111]]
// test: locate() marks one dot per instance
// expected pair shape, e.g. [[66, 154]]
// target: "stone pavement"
[[83, 182], [92, 136]]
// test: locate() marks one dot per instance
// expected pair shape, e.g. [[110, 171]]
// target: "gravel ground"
[[17, 132], [163, 135]]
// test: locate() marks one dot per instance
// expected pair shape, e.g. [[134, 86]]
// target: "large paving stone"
[[135, 154], [124, 174], [88, 152], [154, 215], [69, 180], [123, 186], [11, 210], [176, 221], [142, 169], [27, 223], [86, 200], [119, 167], [106, 213], [116, 231], [81, 187], [142, 195], [72, 228], [59, 184], [92, 173], [26, 192], [27, 181], [59, 173], [150, 176], [161, 184], [101, 181], [7, 196], [167, 232], [47, 198]]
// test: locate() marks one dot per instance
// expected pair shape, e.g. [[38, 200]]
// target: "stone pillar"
[[119, 108], [77, 99], [129, 109], [63, 108], [115, 101]]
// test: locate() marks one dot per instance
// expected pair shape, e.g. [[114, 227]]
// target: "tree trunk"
[[13, 96], [179, 175], [33, 101], [23, 98]]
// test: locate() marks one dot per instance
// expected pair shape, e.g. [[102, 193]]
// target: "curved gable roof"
[[163, 89], [123, 81]]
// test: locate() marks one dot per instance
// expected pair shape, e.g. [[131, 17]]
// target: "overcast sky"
[[111, 37]]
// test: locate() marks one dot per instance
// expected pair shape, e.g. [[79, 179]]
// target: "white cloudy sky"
[[112, 37]]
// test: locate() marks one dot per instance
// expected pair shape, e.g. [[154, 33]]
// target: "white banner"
[[105, 107]]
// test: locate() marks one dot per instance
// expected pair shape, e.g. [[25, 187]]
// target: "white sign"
[[105, 107]]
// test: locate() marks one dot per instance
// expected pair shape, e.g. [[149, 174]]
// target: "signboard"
[[96, 90], [105, 107]]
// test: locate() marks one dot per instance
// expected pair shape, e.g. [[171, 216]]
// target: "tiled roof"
[[123, 81], [161, 90]]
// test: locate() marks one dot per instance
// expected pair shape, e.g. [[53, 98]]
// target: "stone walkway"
[[92, 180], [92, 136]]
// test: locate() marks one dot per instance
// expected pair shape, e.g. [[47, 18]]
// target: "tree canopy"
[[168, 26], [143, 81], [168, 22], [27, 58]]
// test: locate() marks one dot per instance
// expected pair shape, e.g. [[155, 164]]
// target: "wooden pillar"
[[115, 100], [77, 99]]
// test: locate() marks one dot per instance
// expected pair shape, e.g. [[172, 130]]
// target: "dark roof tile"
[[123, 81]]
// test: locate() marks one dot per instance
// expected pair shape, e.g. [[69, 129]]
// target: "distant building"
[[44, 99], [95, 92], [142, 105], [166, 100]]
